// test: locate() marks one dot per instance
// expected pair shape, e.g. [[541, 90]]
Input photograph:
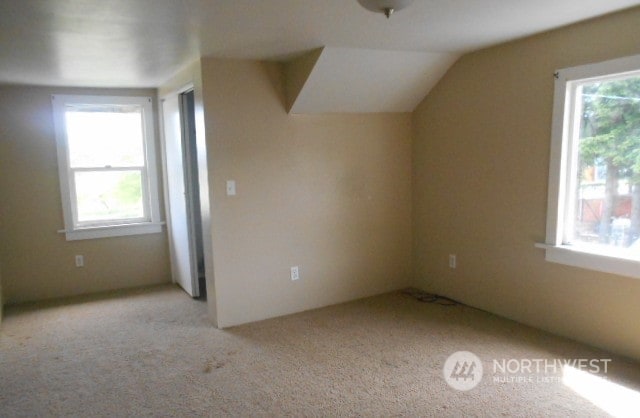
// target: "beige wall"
[[328, 193], [1, 299], [481, 158], [37, 262]]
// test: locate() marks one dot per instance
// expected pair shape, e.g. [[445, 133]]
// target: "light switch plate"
[[231, 187]]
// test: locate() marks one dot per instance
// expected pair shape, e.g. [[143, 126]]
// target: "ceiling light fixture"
[[385, 6]]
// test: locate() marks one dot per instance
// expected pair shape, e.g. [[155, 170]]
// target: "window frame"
[[561, 179], [75, 230]]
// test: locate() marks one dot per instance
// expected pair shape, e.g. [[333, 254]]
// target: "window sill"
[[592, 259], [112, 231]]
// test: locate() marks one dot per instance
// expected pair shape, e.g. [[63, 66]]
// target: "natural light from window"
[[106, 155], [612, 398], [605, 199], [106, 165], [593, 205]]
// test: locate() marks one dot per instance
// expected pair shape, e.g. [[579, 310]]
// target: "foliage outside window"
[[607, 210], [593, 218], [106, 165]]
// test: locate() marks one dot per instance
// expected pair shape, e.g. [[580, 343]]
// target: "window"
[[106, 162], [594, 180]]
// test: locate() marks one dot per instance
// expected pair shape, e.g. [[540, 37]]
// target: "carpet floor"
[[152, 352]]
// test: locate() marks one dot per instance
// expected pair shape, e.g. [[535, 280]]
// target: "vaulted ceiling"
[[141, 43]]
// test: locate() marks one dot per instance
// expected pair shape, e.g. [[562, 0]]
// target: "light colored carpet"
[[152, 352]]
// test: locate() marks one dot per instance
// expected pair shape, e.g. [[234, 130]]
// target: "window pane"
[[608, 178], [109, 195], [105, 136]]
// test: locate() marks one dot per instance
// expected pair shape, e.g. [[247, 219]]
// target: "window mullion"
[[109, 168]]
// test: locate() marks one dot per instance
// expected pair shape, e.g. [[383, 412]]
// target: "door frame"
[[186, 163]]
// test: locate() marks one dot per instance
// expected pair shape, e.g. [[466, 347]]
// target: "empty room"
[[319, 208]]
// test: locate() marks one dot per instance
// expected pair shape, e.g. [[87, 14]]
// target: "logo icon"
[[462, 370]]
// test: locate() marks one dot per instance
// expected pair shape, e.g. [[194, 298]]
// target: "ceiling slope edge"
[[350, 80], [296, 74]]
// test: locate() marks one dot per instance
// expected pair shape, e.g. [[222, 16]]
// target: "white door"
[[184, 272]]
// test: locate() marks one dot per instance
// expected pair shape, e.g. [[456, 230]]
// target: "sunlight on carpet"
[[612, 398]]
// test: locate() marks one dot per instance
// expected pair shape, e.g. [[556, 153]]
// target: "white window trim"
[[560, 163], [150, 181]]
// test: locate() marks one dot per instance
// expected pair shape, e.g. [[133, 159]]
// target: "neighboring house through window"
[[594, 180], [107, 165]]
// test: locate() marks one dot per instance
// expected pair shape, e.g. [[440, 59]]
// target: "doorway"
[[184, 219]]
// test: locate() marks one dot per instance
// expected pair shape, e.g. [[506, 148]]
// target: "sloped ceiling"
[[362, 80], [141, 43]]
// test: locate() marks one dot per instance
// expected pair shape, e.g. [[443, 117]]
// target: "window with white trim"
[[593, 218], [107, 165]]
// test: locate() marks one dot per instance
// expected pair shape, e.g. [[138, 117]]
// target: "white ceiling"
[[126, 43], [350, 80]]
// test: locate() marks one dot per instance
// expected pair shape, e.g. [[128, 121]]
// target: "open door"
[[180, 221]]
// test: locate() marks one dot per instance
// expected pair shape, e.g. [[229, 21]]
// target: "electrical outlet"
[[79, 261], [295, 273], [452, 261]]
